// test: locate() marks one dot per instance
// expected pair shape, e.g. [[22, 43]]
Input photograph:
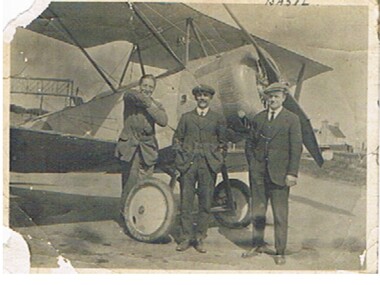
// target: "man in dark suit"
[[200, 145], [137, 147], [274, 151]]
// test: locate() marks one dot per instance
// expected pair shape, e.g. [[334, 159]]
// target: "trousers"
[[199, 173], [262, 191], [131, 172]]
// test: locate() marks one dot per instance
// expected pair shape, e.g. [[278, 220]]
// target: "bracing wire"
[[70, 117], [182, 31], [165, 19], [207, 39]]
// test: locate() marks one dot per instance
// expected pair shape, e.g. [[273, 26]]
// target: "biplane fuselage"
[[69, 140], [232, 74]]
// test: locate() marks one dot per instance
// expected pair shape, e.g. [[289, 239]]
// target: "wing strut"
[[297, 92], [140, 60], [272, 72], [84, 51], [187, 51], [196, 33], [157, 35], [133, 50]]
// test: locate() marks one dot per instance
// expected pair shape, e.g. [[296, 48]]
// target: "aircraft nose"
[[250, 60]]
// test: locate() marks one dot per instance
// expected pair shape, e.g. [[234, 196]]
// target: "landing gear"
[[232, 212], [150, 207], [150, 210]]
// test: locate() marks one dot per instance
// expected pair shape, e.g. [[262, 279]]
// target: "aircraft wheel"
[[149, 210], [241, 195]]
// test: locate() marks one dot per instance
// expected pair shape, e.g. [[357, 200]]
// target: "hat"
[[276, 87], [203, 88]]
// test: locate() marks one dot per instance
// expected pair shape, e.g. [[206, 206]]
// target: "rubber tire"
[[170, 214], [236, 185]]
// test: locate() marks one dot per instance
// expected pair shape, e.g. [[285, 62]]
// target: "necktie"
[[202, 114], [271, 116]]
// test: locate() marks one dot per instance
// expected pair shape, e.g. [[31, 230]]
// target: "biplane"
[[182, 42]]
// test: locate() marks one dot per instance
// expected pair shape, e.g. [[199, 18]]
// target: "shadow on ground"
[[39, 207]]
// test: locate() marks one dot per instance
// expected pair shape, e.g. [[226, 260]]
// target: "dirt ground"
[[75, 215]]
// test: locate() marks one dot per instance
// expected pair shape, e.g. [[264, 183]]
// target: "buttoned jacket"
[[279, 153], [202, 136]]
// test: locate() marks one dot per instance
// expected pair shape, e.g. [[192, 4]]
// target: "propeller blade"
[[308, 135]]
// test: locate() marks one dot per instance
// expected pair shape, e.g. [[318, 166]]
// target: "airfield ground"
[[76, 216]]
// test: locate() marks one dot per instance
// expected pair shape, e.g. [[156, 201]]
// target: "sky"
[[332, 35]]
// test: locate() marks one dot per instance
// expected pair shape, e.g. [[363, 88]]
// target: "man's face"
[[203, 100], [275, 99], [147, 86]]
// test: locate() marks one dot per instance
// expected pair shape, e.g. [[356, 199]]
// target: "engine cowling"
[[235, 77]]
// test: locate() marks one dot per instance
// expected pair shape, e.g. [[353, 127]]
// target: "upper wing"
[[97, 23]]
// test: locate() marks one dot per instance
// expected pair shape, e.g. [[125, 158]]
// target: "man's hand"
[[146, 102], [223, 151], [290, 180], [141, 100]]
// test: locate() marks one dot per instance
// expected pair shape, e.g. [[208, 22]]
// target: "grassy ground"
[[336, 170]]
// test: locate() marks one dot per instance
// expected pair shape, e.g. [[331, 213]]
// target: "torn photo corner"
[[68, 67]]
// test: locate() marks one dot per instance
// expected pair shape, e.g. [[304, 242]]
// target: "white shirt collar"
[[205, 111], [276, 112]]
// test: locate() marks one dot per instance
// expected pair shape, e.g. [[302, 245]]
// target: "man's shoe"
[[265, 249], [250, 253], [256, 250], [279, 259], [198, 245], [163, 240], [183, 245]]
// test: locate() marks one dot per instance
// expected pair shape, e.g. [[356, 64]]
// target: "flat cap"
[[276, 87], [203, 88]]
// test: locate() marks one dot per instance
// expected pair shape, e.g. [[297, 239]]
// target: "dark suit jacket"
[[139, 129], [200, 135], [283, 150]]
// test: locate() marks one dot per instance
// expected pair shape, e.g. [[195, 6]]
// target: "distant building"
[[332, 138], [330, 134]]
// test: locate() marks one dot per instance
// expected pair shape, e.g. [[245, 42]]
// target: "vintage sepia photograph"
[[214, 136]]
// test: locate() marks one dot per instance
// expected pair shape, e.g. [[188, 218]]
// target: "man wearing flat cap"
[[274, 150], [200, 145]]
